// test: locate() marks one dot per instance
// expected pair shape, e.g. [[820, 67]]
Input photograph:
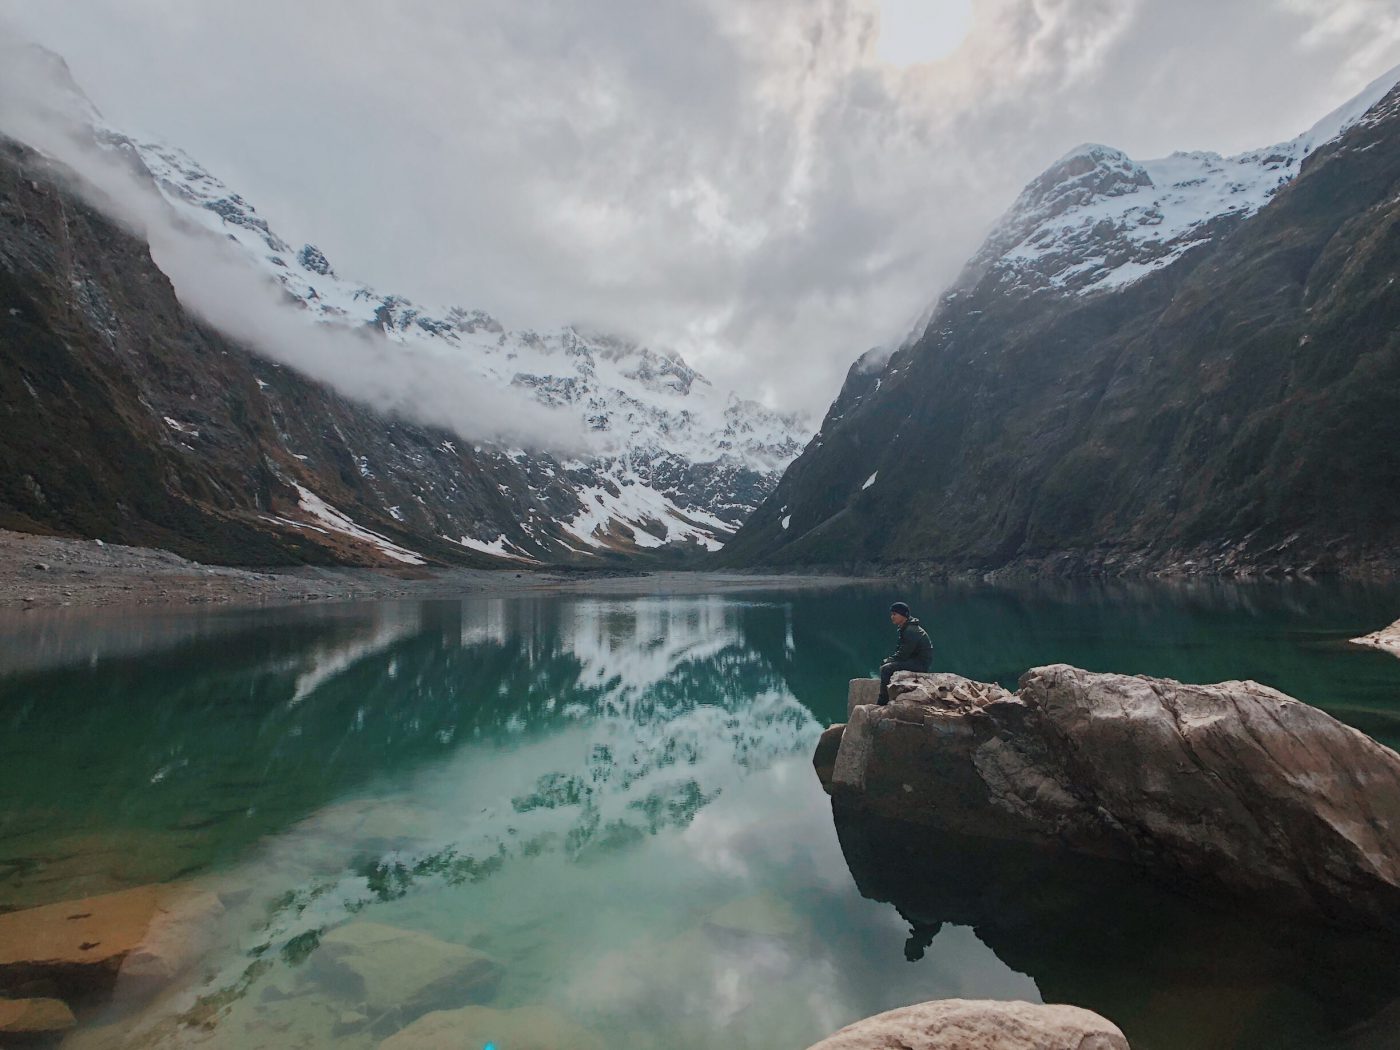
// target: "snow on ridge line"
[[1061, 233], [335, 521], [1184, 192]]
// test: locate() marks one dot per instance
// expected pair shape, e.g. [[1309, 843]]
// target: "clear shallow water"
[[614, 799]]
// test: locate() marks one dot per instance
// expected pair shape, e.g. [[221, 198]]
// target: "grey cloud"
[[742, 181]]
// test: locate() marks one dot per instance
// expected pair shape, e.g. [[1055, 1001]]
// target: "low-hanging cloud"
[[745, 182], [417, 382]]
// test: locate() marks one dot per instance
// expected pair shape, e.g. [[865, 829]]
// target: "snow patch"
[[497, 548], [335, 521]]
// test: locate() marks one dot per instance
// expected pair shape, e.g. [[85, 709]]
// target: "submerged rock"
[[761, 915], [385, 970], [34, 1018], [138, 939], [524, 1028], [964, 1024], [1233, 787]]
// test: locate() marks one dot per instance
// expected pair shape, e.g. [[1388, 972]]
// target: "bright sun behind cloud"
[[914, 31]]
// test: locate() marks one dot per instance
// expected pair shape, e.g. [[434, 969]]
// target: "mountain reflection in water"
[[614, 798]]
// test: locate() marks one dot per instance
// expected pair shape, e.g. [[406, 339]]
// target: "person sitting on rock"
[[915, 651]]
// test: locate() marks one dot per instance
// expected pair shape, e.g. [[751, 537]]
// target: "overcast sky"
[[769, 186]]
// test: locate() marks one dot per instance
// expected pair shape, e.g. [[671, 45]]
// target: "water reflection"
[[611, 798], [1170, 971]]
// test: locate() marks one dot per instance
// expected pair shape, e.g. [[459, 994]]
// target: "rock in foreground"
[[136, 940], [1232, 787], [963, 1024]]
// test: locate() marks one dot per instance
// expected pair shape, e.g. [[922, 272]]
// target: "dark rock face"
[[1236, 410], [1233, 789]]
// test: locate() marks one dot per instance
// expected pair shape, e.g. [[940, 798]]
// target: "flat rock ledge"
[[134, 942], [23, 1020], [1386, 639], [966, 1024], [1232, 787]]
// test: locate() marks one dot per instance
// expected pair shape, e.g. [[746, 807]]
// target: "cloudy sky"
[[769, 186]]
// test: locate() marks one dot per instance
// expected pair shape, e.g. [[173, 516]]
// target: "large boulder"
[[137, 940], [963, 1024], [388, 971], [1234, 787]]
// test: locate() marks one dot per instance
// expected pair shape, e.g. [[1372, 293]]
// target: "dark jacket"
[[914, 645]]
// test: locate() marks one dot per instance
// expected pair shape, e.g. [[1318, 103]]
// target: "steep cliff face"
[[1221, 393], [126, 419]]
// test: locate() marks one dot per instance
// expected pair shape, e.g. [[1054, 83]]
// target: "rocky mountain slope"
[[133, 421], [1190, 363]]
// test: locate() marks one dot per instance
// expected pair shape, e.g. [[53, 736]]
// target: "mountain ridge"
[[671, 466], [1167, 424]]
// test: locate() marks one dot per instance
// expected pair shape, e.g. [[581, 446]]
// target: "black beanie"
[[901, 608]]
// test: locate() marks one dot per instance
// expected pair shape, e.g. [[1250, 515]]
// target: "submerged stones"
[[1232, 787], [386, 970], [523, 1028], [34, 1019], [963, 1024]]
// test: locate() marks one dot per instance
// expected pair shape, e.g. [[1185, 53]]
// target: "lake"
[[612, 798]]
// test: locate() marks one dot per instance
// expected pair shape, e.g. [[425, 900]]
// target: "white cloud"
[[747, 182]]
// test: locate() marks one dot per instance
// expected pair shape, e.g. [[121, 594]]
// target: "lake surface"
[[613, 798]]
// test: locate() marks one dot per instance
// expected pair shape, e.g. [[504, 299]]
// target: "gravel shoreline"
[[48, 572]]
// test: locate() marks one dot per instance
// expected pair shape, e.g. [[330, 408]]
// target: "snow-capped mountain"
[[1183, 364], [1096, 220], [677, 462], [138, 422]]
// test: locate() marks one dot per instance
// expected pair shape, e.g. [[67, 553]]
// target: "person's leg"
[[886, 669]]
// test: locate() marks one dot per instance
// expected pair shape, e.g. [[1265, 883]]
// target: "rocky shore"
[[1387, 639], [48, 572], [1232, 789]]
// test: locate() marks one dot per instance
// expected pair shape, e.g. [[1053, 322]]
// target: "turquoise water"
[[613, 799]]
